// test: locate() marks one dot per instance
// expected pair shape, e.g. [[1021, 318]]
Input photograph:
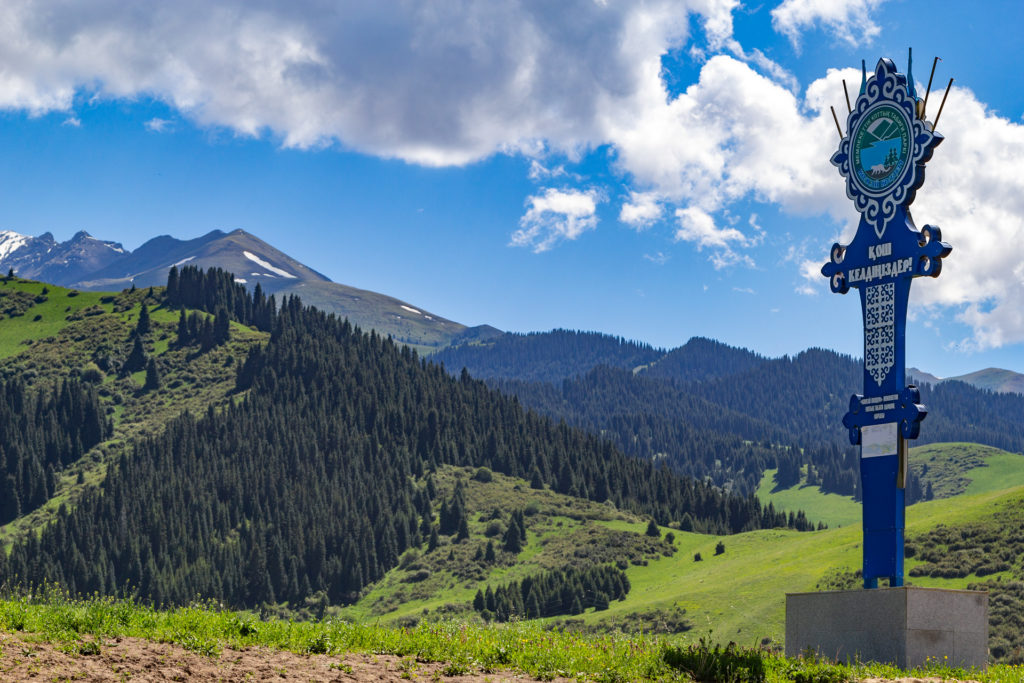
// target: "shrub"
[[731, 664]]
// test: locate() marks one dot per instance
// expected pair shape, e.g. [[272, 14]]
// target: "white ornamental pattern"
[[879, 330]]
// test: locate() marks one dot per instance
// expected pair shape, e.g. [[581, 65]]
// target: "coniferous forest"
[[318, 475], [41, 432], [712, 411]]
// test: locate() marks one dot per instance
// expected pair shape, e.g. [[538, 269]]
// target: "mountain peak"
[[11, 241]]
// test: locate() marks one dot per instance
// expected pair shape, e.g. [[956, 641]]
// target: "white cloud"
[[432, 83], [158, 125], [847, 20], [696, 225], [555, 216], [72, 122], [660, 258], [975, 194], [733, 134], [641, 210], [812, 279]]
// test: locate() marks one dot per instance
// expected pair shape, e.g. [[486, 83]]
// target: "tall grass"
[[527, 647]]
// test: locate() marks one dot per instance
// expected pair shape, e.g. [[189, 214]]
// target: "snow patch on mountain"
[[10, 242], [109, 245], [411, 309], [184, 260], [273, 269]]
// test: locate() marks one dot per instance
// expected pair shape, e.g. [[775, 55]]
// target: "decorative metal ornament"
[[882, 158]]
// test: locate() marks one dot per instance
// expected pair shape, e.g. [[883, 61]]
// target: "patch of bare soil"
[[132, 659]]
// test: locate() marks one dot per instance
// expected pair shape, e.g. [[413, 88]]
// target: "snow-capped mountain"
[[84, 262], [44, 258]]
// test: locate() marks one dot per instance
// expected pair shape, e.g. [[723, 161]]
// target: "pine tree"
[[136, 358], [153, 380], [143, 326], [221, 327], [184, 338], [512, 541]]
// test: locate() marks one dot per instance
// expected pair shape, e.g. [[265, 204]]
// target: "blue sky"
[[653, 170]]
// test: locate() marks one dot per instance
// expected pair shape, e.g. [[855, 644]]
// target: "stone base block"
[[902, 626]]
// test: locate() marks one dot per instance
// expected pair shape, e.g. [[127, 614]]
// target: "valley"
[[698, 558]]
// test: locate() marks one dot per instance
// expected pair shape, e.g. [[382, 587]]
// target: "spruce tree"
[[512, 542], [143, 326], [153, 380], [136, 358], [221, 327]]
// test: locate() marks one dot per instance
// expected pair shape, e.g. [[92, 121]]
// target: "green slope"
[[831, 508], [65, 333], [952, 469], [737, 595]]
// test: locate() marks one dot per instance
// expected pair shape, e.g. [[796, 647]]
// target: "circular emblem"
[[881, 148]]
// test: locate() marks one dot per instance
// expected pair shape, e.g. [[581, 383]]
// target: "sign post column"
[[882, 158]]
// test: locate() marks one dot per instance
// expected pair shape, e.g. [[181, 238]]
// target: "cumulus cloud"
[[733, 134], [697, 226], [975, 194], [432, 83], [847, 20], [555, 216], [641, 210]]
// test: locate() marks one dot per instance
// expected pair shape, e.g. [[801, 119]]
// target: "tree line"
[[561, 591], [715, 412]]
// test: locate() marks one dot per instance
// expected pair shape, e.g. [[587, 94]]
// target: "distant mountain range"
[[84, 262], [993, 379]]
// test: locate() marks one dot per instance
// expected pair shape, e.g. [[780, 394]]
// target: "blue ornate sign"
[[882, 157]]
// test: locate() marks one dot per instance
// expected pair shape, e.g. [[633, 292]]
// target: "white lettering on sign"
[[880, 271], [877, 251], [879, 440]]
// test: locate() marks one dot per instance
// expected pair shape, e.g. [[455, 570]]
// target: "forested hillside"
[[319, 476], [42, 432], [545, 356], [710, 410]]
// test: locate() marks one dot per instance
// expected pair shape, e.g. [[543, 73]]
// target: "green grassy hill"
[[951, 469], [736, 595]]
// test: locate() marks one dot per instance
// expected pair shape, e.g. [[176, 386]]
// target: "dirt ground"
[[131, 659]]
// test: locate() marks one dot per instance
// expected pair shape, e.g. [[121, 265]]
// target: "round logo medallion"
[[881, 148]]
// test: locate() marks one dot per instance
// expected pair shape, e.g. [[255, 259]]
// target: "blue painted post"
[[882, 158]]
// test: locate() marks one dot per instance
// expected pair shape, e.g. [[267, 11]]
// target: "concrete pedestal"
[[902, 626]]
